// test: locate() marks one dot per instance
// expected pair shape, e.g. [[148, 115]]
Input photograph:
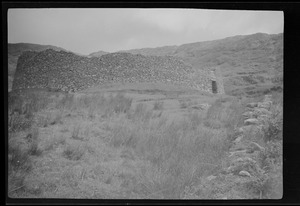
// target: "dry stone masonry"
[[66, 71], [243, 162]]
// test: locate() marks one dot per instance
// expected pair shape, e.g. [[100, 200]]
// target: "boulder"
[[211, 177], [239, 146], [238, 152], [261, 111], [268, 97], [251, 121], [244, 173], [256, 147], [263, 117], [248, 128], [267, 105], [252, 105], [248, 114], [245, 159], [238, 139]]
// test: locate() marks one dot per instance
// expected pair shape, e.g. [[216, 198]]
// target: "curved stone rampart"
[[66, 71]]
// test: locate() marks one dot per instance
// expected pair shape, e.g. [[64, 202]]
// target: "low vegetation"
[[110, 143]]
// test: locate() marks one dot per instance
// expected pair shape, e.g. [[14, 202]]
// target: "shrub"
[[33, 141], [17, 122], [271, 156], [233, 114], [54, 141], [91, 111], [18, 158], [120, 103], [76, 133], [57, 117], [176, 153], [185, 103], [214, 124], [195, 119], [269, 185], [114, 105], [126, 133], [74, 152], [22, 108], [273, 126], [28, 103], [67, 102], [158, 105], [214, 111], [140, 113], [19, 164]]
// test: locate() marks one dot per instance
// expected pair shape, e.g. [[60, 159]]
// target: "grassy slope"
[[250, 64], [149, 143]]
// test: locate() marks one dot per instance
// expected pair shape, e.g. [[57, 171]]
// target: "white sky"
[[88, 30]]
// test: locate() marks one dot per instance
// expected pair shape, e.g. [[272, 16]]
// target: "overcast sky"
[[88, 30]]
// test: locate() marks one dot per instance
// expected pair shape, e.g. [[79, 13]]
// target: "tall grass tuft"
[[19, 165], [22, 108], [158, 105], [120, 103], [76, 133], [33, 141], [177, 153], [74, 151]]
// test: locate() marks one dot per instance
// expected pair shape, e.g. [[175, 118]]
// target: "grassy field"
[[124, 142]]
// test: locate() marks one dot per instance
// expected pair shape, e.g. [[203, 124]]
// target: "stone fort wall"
[[66, 71]]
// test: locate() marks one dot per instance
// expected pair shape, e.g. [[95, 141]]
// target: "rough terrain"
[[133, 125]]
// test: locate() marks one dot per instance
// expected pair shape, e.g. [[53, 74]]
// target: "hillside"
[[133, 126], [159, 51], [15, 50], [248, 63], [67, 71], [97, 54]]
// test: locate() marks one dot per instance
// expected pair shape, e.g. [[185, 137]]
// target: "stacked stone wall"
[[66, 71], [244, 163]]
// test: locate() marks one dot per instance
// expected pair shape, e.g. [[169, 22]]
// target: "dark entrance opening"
[[214, 87]]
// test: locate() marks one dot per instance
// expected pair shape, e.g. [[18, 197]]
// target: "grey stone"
[[267, 105], [256, 147], [268, 97], [245, 159], [211, 177], [248, 128], [248, 114], [252, 105], [251, 121], [238, 139], [237, 152], [244, 173], [261, 111]]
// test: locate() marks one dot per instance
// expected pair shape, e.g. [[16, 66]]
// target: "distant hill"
[[159, 51], [15, 50], [248, 62], [97, 54]]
